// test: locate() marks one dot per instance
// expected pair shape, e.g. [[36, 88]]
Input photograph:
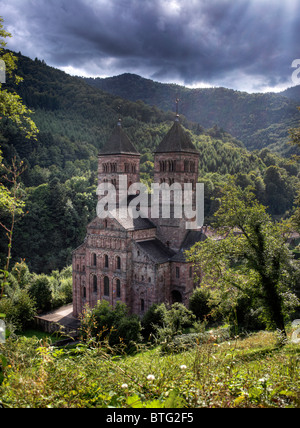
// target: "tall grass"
[[248, 372]]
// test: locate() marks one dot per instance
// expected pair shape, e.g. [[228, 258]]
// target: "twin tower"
[[139, 260], [175, 162]]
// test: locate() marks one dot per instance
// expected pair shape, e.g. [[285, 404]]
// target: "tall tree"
[[11, 105], [12, 108], [250, 254], [295, 136]]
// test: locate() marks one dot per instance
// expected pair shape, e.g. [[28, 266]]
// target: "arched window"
[[94, 283], [106, 286], [118, 285], [142, 305], [118, 263], [94, 259], [84, 292], [106, 261]]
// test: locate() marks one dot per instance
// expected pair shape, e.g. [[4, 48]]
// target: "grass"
[[35, 333], [241, 372]]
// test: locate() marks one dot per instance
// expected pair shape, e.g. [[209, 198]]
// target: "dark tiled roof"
[[127, 222], [190, 239], [118, 143], [176, 140], [135, 223], [156, 250]]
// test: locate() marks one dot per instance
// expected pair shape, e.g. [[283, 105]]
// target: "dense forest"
[[75, 119], [259, 120]]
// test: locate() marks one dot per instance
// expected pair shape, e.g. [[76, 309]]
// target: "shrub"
[[62, 290], [40, 290], [153, 319], [199, 303], [113, 324], [19, 311], [178, 317]]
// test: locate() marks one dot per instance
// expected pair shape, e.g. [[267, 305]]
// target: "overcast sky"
[[241, 44]]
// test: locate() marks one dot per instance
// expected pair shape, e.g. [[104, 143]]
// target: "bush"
[[115, 325], [40, 290], [178, 317], [19, 310], [62, 290], [199, 303], [153, 319]]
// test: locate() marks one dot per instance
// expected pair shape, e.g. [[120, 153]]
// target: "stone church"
[[138, 261]]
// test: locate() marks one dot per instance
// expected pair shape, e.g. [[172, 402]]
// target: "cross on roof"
[[177, 102]]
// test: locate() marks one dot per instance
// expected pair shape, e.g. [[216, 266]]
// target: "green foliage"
[[103, 322], [27, 294], [258, 120], [251, 372], [11, 105], [199, 303], [162, 324], [19, 310], [40, 291], [252, 260], [151, 320], [56, 210]]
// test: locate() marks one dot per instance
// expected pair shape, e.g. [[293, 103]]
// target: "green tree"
[[252, 255], [11, 206], [19, 310], [199, 303], [112, 323], [40, 291], [295, 139], [11, 108], [11, 105]]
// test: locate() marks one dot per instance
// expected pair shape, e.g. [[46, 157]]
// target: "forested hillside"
[[75, 119], [258, 120]]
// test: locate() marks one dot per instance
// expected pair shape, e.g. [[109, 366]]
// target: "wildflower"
[[150, 377], [183, 367], [124, 386]]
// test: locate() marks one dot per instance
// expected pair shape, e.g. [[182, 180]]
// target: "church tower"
[[118, 157], [175, 161]]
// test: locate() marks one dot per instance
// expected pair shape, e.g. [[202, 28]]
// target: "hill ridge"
[[259, 120]]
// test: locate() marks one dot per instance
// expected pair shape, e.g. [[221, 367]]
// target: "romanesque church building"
[[138, 261]]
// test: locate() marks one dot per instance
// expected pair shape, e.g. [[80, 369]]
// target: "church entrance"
[[176, 296]]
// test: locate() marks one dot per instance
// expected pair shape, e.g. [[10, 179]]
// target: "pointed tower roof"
[[118, 143], [176, 140]]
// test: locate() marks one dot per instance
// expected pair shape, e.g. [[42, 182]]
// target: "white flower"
[[124, 386], [183, 367], [150, 377]]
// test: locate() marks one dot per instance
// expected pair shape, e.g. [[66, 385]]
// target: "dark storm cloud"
[[220, 42]]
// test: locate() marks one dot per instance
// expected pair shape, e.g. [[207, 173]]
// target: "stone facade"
[[138, 261]]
